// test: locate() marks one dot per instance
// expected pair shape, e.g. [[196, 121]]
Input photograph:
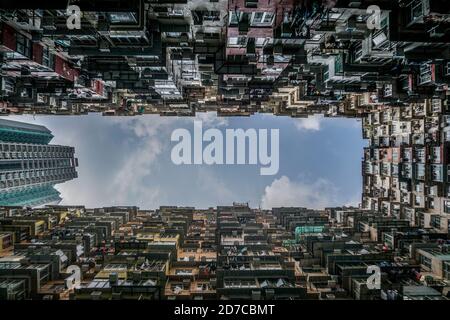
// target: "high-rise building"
[[405, 167], [30, 167]]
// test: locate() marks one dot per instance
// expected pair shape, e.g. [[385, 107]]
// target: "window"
[[419, 187], [406, 171], [394, 170], [257, 17], [173, 34], [416, 10], [122, 18], [338, 64], [407, 155], [395, 155], [425, 261], [447, 206], [435, 221], [201, 16], [436, 105], [388, 90], [447, 270], [432, 191], [447, 135], [48, 59], [23, 45], [418, 200], [260, 42], [326, 73], [211, 16], [431, 203], [234, 17], [420, 154], [426, 72], [237, 41], [437, 173], [262, 18], [10, 166], [436, 154]]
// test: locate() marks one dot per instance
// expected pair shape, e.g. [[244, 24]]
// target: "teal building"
[[30, 167]]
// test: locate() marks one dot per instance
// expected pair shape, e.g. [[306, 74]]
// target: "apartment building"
[[234, 57], [30, 166], [227, 252], [404, 168]]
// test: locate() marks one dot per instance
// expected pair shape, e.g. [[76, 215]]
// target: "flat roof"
[[23, 125]]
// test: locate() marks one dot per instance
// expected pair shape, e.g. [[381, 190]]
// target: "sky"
[[127, 161]]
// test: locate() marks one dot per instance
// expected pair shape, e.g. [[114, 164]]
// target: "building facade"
[[30, 167]]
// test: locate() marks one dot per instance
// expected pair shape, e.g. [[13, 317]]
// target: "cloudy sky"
[[126, 161]]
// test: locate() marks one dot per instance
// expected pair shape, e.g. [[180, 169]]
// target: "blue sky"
[[126, 161]]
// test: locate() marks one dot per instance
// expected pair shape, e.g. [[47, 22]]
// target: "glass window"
[[268, 17], [262, 18], [420, 174], [258, 17], [260, 42], [23, 45], [48, 59], [419, 187], [237, 41], [234, 17], [425, 261], [122, 17], [418, 200], [416, 10], [447, 206], [435, 221]]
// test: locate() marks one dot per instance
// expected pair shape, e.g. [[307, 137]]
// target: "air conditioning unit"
[[52, 102], [7, 86], [40, 98]]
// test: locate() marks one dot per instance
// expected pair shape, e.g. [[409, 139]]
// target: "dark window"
[[23, 45], [10, 166], [48, 59], [435, 221]]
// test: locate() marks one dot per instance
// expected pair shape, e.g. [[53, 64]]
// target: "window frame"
[[262, 22]]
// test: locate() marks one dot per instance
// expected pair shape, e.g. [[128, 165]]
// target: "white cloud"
[[122, 161], [211, 120], [283, 193], [72, 194], [311, 123], [353, 201], [131, 180], [213, 189]]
